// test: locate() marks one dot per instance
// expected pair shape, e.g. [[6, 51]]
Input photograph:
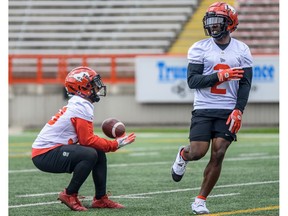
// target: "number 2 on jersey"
[[215, 89], [57, 116]]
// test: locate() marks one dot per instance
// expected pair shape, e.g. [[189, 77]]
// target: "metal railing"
[[52, 69]]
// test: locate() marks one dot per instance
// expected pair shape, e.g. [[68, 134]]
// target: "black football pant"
[[79, 160]]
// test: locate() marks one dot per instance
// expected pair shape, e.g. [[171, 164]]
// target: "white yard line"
[[165, 163], [33, 204], [144, 195], [183, 135]]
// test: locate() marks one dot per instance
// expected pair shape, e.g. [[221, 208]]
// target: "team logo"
[[65, 154], [229, 7], [80, 76]]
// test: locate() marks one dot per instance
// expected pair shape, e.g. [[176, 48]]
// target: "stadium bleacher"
[[193, 29], [125, 27], [95, 27], [131, 26], [259, 25]]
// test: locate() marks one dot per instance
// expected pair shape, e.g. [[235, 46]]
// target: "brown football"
[[113, 128]]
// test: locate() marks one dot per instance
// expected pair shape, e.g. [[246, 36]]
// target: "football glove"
[[230, 74], [125, 140], [235, 121]]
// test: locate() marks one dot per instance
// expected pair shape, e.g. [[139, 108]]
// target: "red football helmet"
[[86, 83], [223, 14]]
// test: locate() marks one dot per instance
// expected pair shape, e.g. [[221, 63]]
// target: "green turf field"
[[139, 177]]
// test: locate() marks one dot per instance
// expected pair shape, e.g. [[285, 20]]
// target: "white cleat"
[[179, 167], [199, 207]]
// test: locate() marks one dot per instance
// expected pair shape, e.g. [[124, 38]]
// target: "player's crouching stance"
[[220, 69], [67, 143]]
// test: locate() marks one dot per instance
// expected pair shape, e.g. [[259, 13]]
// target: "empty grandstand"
[[96, 27], [259, 26], [130, 26]]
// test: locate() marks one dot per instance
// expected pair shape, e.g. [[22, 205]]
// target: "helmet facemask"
[[210, 20], [223, 15], [98, 89]]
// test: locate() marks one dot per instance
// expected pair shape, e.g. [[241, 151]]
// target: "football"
[[113, 128]]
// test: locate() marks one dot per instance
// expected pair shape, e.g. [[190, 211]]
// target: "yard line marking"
[[127, 197], [23, 171], [268, 208], [34, 204], [197, 188], [223, 195], [184, 135], [37, 195], [163, 163], [168, 191], [256, 154], [13, 153], [140, 195], [20, 153], [148, 193], [120, 196], [140, 154], [252, 158]]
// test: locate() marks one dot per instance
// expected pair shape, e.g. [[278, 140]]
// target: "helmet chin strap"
[[94, 97], [221, 35]]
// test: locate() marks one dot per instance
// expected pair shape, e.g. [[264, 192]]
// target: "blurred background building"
[[118, 38]]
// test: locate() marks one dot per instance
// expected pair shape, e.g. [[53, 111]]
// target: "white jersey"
[[224, 94], [59, 130]]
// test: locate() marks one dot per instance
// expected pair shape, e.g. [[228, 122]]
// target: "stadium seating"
[[259, 25], [130, 26], [95, 27], [193, 29]]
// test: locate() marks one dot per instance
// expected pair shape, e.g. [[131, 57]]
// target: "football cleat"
[[71, 201], [199, 207], [105, 202], [179, 167]]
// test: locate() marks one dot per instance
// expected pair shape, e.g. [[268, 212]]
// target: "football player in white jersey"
[[220, 71], [67, 143]]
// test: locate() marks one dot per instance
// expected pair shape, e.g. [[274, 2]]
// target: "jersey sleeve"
[[244, 89], [86, 136], [196, 54], [245, 82], [246, 57], [196, 79]]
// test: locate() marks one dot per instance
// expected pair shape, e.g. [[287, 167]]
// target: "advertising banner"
[[162, 79]]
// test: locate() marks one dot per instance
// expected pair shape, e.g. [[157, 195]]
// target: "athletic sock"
[[201, 197], [182, 154]]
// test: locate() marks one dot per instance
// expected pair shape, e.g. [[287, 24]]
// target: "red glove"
[[125, 140], [230, 74], [235, 121]]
